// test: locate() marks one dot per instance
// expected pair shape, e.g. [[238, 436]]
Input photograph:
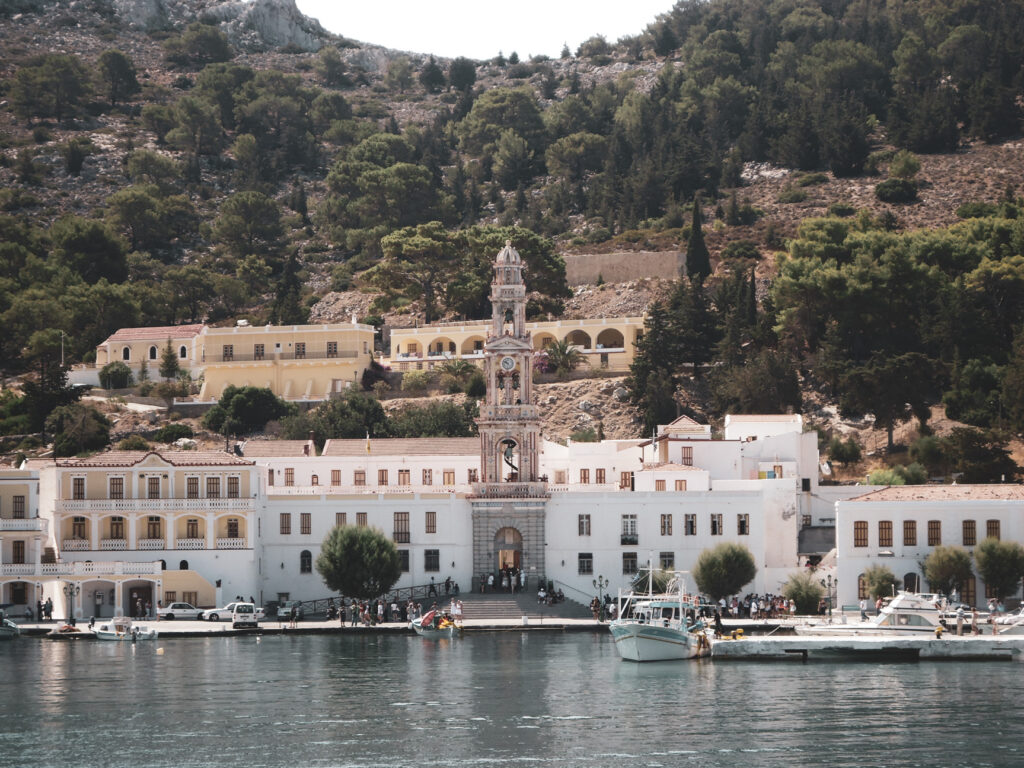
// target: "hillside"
[[169, 161]]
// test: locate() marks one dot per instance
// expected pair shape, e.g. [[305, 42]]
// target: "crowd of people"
[[753, 606], [370, 613], [509, 579]]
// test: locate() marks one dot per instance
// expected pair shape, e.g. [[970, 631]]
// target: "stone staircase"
[[506, 607]]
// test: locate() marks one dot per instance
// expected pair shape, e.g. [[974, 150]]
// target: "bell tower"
[[509, 422], [509, 504]]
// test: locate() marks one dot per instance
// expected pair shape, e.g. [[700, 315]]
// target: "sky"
[[479, 29]]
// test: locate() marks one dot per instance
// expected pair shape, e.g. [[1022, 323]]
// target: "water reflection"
[[502, 699]]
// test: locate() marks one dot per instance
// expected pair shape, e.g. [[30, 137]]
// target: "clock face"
[[508, 363]]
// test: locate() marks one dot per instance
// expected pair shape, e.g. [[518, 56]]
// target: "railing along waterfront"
[[81, 568], [154, 505]]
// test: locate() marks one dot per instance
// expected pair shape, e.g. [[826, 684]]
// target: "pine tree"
[[169, 365], [698, 259]]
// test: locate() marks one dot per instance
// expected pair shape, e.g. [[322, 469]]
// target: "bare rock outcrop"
[[143, 14], [268, 23]]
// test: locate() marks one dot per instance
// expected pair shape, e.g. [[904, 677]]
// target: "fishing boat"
[[121, 629], [660, 627], [908, 613], [8, 629], [434, 625]]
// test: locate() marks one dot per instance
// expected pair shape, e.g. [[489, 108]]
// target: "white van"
[[243, 616]]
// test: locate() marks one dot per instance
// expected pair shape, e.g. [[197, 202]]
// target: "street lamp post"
[[71, 591], [600, 584]]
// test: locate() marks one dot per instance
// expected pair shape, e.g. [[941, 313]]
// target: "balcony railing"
[[190, 543], [75, 545], [315, 490], [113, 544], [151, 544], [81, 568], [629, 539], [235, 543], [510, 490], [23, 524], [585, 487], [400, 537], [153, 505], [309, 354]]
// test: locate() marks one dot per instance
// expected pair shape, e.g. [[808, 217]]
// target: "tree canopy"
[[358, 562], [724, 570]]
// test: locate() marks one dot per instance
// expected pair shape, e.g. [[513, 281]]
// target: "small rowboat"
[[433, 626], [121, 629]]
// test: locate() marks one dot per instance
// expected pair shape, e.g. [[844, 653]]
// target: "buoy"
[[159, 651]]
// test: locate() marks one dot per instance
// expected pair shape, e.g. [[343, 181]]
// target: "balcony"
[[629, 540], [510, 490], [75, 545], [190, 543], [81, 568], [151, 544], [231, 543], [24, 524], [114, 544], [271, 356], [125, 506]]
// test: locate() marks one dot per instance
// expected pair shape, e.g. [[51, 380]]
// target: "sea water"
[[499, 699]]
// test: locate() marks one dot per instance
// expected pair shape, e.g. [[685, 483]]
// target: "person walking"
[[863, 609]]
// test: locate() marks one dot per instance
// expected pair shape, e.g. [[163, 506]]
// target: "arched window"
[[163, 565], [183, 565], [126, 353], [305, 561], [315, 480], [182, 352], [152, 353], [862, 587]]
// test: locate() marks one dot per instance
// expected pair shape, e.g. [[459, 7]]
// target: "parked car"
[[284, 610], [217, 614], [243, 616], [178, 611]]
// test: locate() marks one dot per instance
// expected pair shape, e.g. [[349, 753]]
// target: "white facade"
[[899, 527]]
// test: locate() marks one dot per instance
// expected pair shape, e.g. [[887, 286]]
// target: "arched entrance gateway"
[[508, 547], [509, 502]]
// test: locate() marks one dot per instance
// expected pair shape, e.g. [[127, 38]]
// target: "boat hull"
[[432, 633], [121, 637], [856, 630], [649, 642]]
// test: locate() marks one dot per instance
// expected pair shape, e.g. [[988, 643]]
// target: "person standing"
[[457, 612], [960, 621], [48, 608], [974, 621], [863, 609], [878, 607]]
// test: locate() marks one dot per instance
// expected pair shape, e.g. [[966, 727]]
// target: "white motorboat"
[[1010, 623], [434, 625], [121, 629], [908, 613], [660, 627]]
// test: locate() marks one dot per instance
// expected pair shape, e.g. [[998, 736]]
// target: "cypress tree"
[[698, 260]]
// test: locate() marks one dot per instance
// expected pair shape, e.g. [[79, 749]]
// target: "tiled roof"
[[684, 421], [667, 466], [401, 446], [175, 458], [273, 448], [156, 333], [754, 418], [1005, 492]]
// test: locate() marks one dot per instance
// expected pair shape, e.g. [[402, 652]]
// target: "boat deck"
[[949, 647]]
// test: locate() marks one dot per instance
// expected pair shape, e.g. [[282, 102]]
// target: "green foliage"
[[585, 435], [792, 195], [975, 397], [562, 357], [886, 477], [330, 67], [116, 375], [133, 443], [117, 72], [904, 165], [805, 590], [947, 568], [928, 452], [461, 74], [170, 366], [477, 386], [879, 581], [841, 210], [845, 453], [353, 415], [52, 85], [358, 562], [249, 223], [416, 381], [172, 432], [698, 259], [431, 77], [198, 44], [811, 179], [977, 210], [724, 570], [896, 191], [77, 428], [441, 418], [979, 455], [1000, 565], [245, 410]]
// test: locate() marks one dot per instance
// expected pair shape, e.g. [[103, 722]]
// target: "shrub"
[[792, 195], [415, 381], [741, 249], [904, 165], [133, 443], [841, 210], [585, 435], [116, 375], [976, 210], [172, 432], [805, 590], [896, 191], [477, 386], [811, 179], [845, 453]]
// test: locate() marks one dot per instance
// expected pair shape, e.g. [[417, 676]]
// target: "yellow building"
[[296, 362], [133, 345], [23, 538], [606, 343]]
